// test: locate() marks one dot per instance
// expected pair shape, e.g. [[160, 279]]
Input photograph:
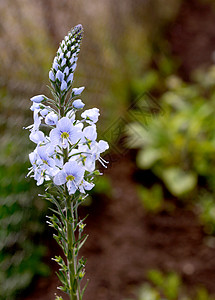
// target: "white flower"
[[91, 115]]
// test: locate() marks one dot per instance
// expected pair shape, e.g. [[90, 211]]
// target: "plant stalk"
[[71, 257]]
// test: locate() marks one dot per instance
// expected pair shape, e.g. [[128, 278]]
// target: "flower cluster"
[[65, 62], [67, 149]]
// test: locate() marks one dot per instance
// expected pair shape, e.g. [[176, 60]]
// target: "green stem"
[[71, 257], [74, 284]]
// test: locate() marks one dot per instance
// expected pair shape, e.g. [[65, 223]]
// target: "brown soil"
[[125, 242]]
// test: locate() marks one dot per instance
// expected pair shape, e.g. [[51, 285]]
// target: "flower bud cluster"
[[66, 140], [65, 62]]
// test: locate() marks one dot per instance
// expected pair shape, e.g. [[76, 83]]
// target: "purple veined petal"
[[63, 86], [38, 98], [88, 185], [59, 76], [44, 156], [71, 187], [78, 91], [51, 75], [85, 185], [60, 178], [78, 104], [42, 152], [75, 134], [55, 136], [64, 124], [90, 132], [70, 167], [37, 136]]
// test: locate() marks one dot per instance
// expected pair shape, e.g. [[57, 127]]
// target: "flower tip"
[[78, 29], [78, 32]]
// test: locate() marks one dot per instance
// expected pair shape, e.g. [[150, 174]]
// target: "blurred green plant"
[[152, 199], [20, 210], [169, 287], [178, 144]]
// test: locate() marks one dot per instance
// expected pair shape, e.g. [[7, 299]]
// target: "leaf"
[[147, 157], [178, 181]]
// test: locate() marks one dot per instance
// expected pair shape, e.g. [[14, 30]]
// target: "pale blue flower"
[[72, 174], [38, 98], [44, 112], [88, 157], [47, 162], [77, 91], [37, 136], [78, 104], [43, 166], [91, 115], [89, 135], [51, 118], [64, 133], [35, 106], [85, 185]]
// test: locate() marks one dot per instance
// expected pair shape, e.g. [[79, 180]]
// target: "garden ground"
[[124, 242]]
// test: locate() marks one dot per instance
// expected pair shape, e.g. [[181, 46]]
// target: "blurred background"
[[149, 66]]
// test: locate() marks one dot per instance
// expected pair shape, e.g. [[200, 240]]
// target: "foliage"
[[20, 211], [178, 144], [169, 287], [152, 199]]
